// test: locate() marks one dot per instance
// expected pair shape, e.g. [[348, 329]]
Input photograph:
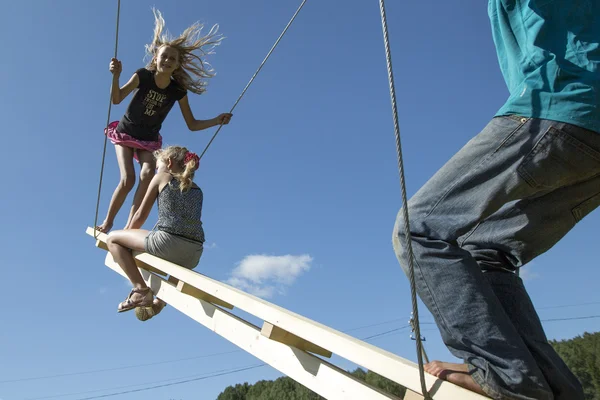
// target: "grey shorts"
[[173, 248]]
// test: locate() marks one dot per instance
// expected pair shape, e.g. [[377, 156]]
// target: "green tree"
[[582, 356], [237, 392]]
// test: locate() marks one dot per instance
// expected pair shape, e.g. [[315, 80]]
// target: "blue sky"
[[306, 172]]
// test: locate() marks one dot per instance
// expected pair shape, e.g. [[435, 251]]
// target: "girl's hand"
[[223, 119], [115, 67]]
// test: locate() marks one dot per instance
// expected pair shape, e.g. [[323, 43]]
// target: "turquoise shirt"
[[549, 54]]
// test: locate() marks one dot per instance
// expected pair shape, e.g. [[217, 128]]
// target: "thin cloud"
[[264, 276]]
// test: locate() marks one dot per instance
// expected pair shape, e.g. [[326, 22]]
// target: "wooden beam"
[[410, 395], [282, 336], [313, 372], [389, 365], [147, 267], [199, 294]]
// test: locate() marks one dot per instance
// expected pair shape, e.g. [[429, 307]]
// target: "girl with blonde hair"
[[176, 66], [178, 235]]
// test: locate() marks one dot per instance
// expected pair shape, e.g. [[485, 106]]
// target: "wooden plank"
[[387, 364], [199, 294], [282, 336], [316, 374], [148, 267], [410, 395], [101, 245]]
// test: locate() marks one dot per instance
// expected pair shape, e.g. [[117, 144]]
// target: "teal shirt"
[[549, 54]]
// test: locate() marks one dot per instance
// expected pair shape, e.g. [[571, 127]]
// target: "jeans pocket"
[[559, 159], [583, 209]]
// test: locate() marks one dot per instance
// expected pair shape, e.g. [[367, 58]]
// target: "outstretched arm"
[[119, 94], [194, 124], [141, 215]]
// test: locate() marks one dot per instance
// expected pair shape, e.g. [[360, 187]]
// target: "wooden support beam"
[[101, 245], [389, 365], [410, 395], [282, 336], [313, 372], [148, 267], [199, 294]]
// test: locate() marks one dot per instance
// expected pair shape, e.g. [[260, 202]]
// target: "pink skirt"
[[124, 139]]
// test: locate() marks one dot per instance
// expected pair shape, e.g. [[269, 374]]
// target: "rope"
[[107, 122], [256, 73], [407, 243]]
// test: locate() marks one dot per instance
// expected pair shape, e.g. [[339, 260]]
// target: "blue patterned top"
[[180, 213]]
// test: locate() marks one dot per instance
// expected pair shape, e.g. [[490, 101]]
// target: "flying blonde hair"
[[193, 71], [186, 160]]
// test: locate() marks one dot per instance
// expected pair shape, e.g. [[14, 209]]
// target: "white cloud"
[[263, 275], [210, 246], [102, 290]]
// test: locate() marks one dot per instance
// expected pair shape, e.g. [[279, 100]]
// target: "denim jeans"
[[507, 196]]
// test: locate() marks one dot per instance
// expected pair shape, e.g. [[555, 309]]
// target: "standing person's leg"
[[536, 225], [120, 244], [126, 183], [147, 171], [512, 158]]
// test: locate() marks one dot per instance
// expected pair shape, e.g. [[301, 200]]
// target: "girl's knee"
[[110, 240], [127, 182], [146, 174]]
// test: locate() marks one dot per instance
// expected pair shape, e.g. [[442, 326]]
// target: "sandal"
[[129, 304], [145, 313]]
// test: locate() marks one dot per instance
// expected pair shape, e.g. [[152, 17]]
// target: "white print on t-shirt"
[[153, 99]]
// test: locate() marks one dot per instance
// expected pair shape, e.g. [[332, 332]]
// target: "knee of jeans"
[[400, 232]]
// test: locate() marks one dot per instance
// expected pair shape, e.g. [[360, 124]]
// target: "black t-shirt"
[[149, 107]]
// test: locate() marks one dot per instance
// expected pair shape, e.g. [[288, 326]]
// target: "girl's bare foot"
[[105, 227], [454, 373]]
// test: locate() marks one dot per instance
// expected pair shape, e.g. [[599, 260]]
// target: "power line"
[[228, 372], [372, 325], [116, 368], [174, 383], [569, 305], [185, 380], [571, 319], [238, 351], [395, 330], [212, 374], [161, 362], [385, 333]]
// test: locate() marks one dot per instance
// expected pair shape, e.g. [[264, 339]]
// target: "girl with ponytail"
[[178, 235]]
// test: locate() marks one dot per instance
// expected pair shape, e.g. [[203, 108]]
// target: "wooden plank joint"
[[277, 334], [199, 294]]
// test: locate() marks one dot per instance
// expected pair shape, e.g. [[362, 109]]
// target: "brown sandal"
[[145, 313], [129, 304]]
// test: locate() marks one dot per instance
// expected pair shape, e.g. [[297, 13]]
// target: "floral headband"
[[189, 156]]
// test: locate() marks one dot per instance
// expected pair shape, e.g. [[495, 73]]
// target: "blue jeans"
[[507, 196]]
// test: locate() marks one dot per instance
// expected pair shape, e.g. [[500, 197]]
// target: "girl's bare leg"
[[120, 243], [125, 160], [147, 171]]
